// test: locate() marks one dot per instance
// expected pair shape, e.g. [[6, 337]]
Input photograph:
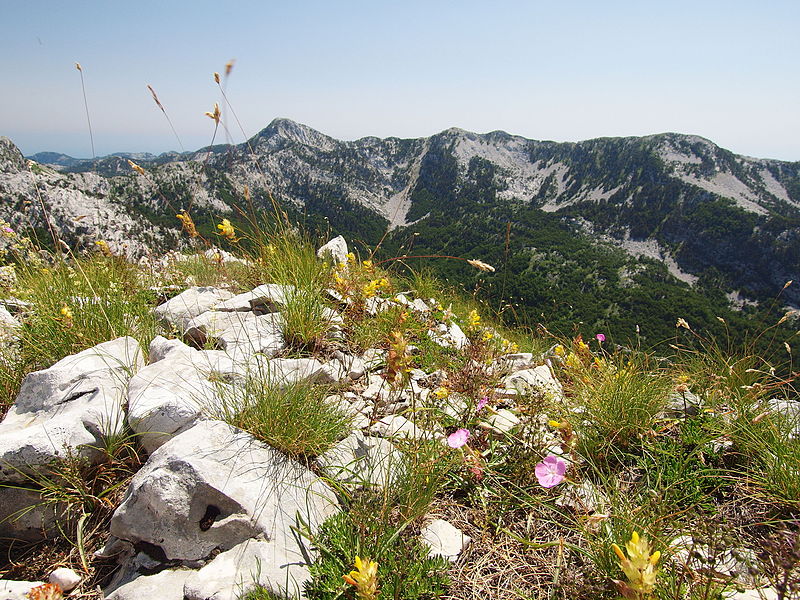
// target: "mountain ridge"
[[714, 219]]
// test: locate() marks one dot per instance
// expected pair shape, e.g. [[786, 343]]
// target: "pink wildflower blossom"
[[458, 438], [600, 337], [482, 404], [550, 472]]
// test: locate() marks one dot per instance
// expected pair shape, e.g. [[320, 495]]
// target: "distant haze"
[[561, 71]]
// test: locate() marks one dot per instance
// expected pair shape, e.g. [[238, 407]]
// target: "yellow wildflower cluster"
[[579, 357], [66, 316], [358, 281], [20, 247], [398, 361], [227, 231], [473, 320], [188, 224], [441, 392], [372, 287], [104, 248], [639, 566], [365, 578]]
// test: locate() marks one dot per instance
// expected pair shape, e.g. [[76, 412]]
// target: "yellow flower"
[[188, 224], [365, 578], [367, 264], [227, 231], [573, 361], [441, 392], [639, 566], [559, 350], [473, 319], [66, 316], [487, 335], [554, 423], [351, 257], [104, 248]]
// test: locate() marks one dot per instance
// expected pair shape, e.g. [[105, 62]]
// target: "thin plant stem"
[[86, 107]]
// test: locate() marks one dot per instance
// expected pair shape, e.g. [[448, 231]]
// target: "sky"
[[558, 70]]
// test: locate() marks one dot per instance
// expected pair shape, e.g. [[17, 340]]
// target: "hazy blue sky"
[[560, 70]]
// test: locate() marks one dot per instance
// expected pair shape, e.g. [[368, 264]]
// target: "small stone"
[[399, 426], [501, 421], [538, 380], [65, 578], [374, 358], [444, 539], [583, 498], [334, 251]]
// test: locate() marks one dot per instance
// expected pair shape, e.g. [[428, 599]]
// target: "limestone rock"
[[399, 426], [9, 326], [24, 515], [449, 336], [178, 311], [683, 404], [444, 539], [501, 421], [166, 585], [538, 380], [334, 251], [355, 365], [16, 590], [360, 460], [262, 334], [223, 257], [509, 363], [70, 408], [284, 372], [214, 486], [266, 298], [170, 395], [253, 562], [212, 323]]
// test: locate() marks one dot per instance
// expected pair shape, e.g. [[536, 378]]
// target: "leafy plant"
[[405, 572]]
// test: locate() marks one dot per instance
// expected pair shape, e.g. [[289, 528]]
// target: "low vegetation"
[[641, 478]]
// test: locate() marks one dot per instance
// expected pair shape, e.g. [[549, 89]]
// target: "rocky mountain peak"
[[291, 131], [11, 159]]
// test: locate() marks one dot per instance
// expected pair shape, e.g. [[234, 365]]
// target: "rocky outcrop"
[[68, 410]]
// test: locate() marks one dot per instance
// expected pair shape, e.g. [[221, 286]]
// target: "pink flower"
[[550, 472], [600, 338], [482, 404], [458, 438], [8, 230]]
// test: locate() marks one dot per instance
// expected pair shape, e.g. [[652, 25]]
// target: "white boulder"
[[214, 486]]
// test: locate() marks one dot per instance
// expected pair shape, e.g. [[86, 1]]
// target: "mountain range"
[[637, 223]]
